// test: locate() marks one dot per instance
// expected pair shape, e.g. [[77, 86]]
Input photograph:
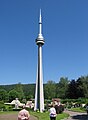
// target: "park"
[[10, 110], [43, 78]]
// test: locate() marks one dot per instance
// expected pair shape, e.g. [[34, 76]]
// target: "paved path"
[[76, 116], [13, 116], [33, 118]]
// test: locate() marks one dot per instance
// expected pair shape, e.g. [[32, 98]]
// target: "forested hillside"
[[72, 89]]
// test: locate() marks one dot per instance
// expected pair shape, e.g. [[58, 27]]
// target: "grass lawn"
[[45, 116], [78, 109], [40, 116]]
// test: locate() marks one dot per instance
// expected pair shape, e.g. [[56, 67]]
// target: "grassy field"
[[45, 116], [78, 109], [39, 116]]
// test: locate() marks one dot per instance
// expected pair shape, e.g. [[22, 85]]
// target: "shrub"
[[17, 109], [2, 106], [59, 109]]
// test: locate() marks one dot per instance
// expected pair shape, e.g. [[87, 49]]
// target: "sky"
[[65, 30]]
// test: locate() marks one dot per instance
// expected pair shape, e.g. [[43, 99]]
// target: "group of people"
[[24, 114]]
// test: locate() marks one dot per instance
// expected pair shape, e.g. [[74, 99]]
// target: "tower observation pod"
[[39, 94]]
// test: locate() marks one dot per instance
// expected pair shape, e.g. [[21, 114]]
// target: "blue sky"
[[65, 29]]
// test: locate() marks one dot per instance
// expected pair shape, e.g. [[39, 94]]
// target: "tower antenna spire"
[[40, 23], [40, 38]]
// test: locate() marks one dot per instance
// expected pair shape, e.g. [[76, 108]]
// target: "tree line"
[[64, 89]]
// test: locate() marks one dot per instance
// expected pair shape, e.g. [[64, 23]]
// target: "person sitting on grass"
[[23, 114]]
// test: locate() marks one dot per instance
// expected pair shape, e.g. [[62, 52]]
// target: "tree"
[[3, 95], [13, 94], [50, 90], [19, 88], [80, 89], [85, 86], [61, 87], [82, 83], [29, 91], [72, 90]]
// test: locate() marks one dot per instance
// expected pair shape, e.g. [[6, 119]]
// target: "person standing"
[[52, 113], [23, 115], [87, 108]]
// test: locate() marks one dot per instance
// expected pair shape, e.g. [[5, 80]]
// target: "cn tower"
[[39, 95]]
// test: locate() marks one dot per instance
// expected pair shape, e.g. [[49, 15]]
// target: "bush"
[[2, 106], [59, 109], [29, 109], [17, 109], [9, 108]]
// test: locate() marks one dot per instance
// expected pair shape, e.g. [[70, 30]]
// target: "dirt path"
[[76, 116], [13, 117]]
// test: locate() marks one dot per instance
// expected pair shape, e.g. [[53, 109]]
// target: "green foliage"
[[40, 116], [7, 87], [26, 91], [29, 91], [50, 89], [79, 101], [2, 106], [45, 115], [72, 90], [61, 87], [9, 108], [64, 89], [19, 89], [78, 109], [13, 94], [78, 88], [3, 95]]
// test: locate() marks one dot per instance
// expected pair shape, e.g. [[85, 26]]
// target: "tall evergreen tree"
[[72, 90]]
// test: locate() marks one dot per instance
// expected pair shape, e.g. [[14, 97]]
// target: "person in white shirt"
[[52, 113]]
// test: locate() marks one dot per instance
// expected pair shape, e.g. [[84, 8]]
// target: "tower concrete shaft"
[[39, 95]]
